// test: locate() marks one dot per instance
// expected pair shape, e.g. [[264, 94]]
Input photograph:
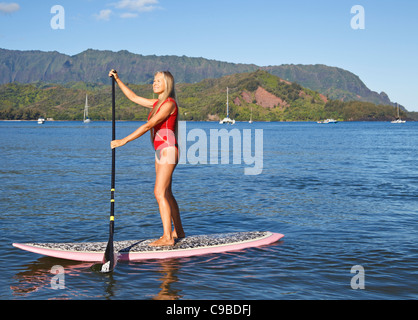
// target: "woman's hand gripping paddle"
[[110, 258]]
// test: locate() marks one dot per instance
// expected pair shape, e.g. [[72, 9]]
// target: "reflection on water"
[[38, 276], [168, 270]]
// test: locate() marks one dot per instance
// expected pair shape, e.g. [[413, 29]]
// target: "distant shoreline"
[[98, 121]]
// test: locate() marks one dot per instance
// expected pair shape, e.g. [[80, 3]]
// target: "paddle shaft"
[[109, 256], [112, 201]]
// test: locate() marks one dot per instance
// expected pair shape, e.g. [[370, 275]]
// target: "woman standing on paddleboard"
[[162, 122]]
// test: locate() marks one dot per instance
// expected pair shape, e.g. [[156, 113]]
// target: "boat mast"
[[86, 109], [227, 102]]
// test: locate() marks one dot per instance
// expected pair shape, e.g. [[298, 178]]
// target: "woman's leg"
[[171, 157], [169, 210], [178, 231]]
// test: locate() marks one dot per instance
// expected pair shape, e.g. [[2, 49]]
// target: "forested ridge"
[[265, 96]]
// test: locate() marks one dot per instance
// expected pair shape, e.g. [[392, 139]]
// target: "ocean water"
[[344, 195]]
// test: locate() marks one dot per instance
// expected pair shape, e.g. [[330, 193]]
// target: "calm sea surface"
[[344, 195]]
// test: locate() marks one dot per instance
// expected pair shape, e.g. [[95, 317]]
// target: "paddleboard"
[[136, 250]]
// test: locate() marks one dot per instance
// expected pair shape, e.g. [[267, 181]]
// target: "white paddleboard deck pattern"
[[134, 250]]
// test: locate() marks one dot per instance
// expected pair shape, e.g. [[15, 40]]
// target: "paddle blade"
[[109, 259], [107, 267]]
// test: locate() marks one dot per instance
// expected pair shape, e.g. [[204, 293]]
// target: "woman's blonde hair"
[[169, 92]]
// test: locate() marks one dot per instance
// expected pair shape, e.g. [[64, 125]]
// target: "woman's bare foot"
[[162, 242]]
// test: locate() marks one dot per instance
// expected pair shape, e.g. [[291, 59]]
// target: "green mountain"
[[267, 97], [92, 66], [335, 83]]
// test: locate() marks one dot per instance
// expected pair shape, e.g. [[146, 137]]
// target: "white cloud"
[[104, 15], [137, 5], [129, 9], [128, 15], [6, 7]]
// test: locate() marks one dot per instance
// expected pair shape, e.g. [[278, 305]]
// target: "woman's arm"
[[165, 111], [147, 103]]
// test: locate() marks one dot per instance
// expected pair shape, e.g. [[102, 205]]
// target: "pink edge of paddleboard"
[[62, 254], [136, 256]]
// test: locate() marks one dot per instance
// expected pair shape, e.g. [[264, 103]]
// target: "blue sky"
[[262, 32]]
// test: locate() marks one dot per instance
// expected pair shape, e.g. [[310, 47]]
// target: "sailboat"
[[398, 119], [227, 119], [327, 121], [86, 112], [251, 116]]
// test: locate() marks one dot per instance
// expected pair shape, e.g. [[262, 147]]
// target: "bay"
[[343, 194]]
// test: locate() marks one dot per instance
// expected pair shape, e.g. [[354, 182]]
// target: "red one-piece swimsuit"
[[164, 132]]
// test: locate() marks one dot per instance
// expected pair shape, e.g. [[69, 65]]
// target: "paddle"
[[109, 260]]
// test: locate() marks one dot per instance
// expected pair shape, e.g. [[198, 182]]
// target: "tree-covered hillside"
[[92, 66], [267, 97]]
